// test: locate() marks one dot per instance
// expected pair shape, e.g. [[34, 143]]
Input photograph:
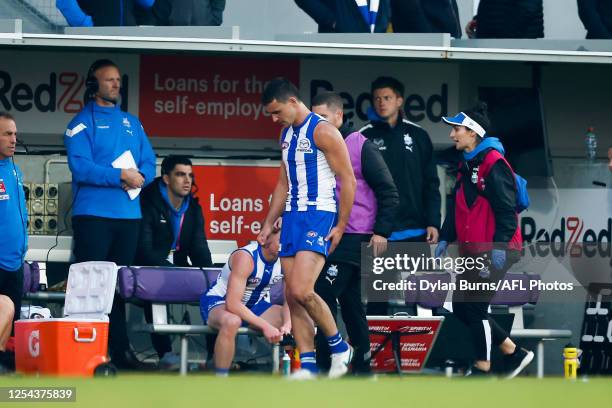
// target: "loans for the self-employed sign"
[[234, 199], [215, 97]]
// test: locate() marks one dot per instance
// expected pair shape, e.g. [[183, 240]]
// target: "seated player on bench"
[[240, 297]]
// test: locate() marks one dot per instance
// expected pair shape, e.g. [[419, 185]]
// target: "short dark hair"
[[280, 89], [480, 113], [331, 99], [388, 82], [170, 162], [6, 115]]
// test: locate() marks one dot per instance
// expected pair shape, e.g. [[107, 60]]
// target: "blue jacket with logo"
[[94, 139], [13, 217]]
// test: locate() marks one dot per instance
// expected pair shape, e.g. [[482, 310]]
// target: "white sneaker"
[[302, 375], [340, 363]]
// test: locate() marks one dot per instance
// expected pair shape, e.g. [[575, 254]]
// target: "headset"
[[91, 82]]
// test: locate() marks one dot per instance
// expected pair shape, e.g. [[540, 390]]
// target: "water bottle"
[[571, 361], [286, 364], [591, 144]]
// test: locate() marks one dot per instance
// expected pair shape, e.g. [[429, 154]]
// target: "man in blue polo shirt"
[[13, 226], [110, 158]]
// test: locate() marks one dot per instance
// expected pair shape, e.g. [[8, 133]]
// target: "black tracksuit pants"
[[340, 282], [418, 247], [112, 240], [471, 307], [11, 285]]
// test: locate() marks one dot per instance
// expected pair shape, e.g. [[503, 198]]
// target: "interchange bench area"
[[164, 286]]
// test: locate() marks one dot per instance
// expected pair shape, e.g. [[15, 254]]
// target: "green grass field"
[[172, 391]]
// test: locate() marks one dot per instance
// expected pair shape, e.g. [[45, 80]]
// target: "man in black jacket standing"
[[371, 220], [408, 152], [172, 232]]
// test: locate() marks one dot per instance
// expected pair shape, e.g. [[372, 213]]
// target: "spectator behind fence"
[[371, 221], [348, 16], [425, 16], [483, 221], [89, 13], [408, 152], [507, 19], [596, 15], [13, 233], [171, 233], [105, 218], [189, 12]]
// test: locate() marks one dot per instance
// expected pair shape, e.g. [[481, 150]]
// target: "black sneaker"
[[474, 371], [517, 361]]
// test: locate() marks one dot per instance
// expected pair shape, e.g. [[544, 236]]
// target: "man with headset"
[[110, 158], [13, 227]]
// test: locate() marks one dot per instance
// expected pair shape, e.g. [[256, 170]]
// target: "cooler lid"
[[90, 289]]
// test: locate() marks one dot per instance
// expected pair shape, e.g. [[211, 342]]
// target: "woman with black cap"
[[483, 221]]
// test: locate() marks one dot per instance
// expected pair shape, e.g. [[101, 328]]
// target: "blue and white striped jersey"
[[258, 284], [311, 180]]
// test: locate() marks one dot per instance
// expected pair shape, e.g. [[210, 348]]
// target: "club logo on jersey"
[[276, 279], [380, 143], [408, 142], [475, 175], [332, 270], [285, 145], [311, 234], [304, 146], [126, 123], [320, 241]]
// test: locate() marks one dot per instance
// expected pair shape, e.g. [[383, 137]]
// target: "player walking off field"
[[314, 155]]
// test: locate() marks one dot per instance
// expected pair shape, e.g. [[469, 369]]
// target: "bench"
[[162, 286]]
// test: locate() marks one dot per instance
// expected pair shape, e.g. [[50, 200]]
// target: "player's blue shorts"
[[208, 303], [306, 231]]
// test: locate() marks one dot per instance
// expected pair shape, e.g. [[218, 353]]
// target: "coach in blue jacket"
[[105, 219]]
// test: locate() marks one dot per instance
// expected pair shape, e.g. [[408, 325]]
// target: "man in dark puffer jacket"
[[507, 19], [596, 15]]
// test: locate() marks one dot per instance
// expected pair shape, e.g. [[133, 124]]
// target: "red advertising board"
[[203, 96], [415, 338], [234, 199]]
